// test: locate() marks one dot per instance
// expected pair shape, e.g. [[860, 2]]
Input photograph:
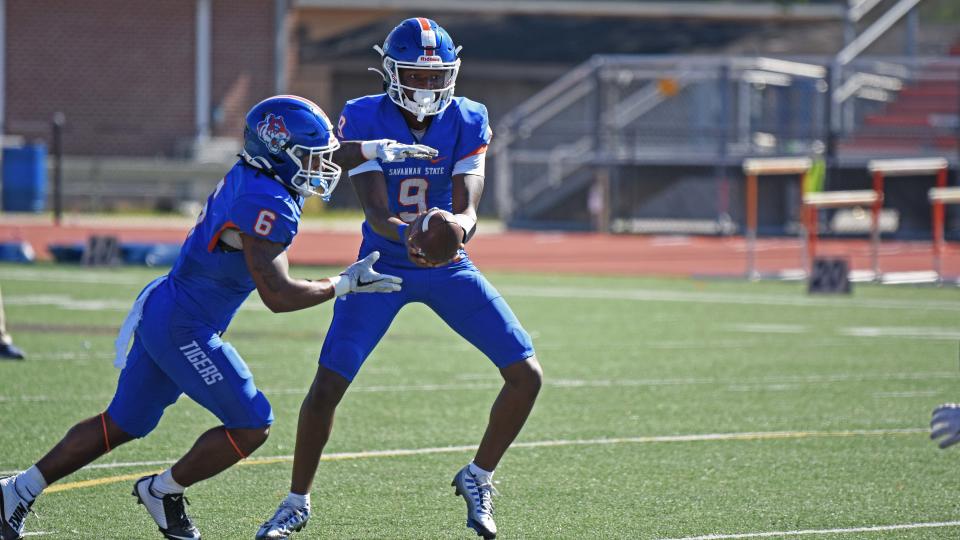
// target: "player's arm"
[[468, 172], [268, 265], [351, 154], [467, 190], [371, 189]]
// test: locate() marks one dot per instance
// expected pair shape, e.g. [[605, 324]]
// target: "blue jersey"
[[210, 281], [413, 186], [177, 347]]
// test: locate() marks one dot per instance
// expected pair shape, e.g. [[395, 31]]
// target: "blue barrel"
[[25, 178]]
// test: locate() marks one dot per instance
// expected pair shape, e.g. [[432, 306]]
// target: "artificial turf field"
[[671, 409]]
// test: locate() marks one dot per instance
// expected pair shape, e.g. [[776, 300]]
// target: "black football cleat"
[[9, 351], [168, 511]]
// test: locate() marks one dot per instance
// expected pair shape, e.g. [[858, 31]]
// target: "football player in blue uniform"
[[420, 63], [238, 244]]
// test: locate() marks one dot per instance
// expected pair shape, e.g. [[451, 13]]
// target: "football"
[[435, 237]]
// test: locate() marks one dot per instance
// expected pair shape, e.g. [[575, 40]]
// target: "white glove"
[[360, 277], [946, 423], [388, 150]]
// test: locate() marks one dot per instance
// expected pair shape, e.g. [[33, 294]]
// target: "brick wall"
[[243, 63], [123, 70]]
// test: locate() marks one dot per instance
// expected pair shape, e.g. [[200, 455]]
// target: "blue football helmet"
[[291, 140], [419, 43]]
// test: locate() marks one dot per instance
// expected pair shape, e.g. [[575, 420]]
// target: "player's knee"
[[525, 376], [534, 375], [128, 428], [326, 391], [113, 433], [262, 435], [248, 440], [256, 437]]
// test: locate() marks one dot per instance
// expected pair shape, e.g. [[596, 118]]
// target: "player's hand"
[[415, 253], [360, 277], [946, 423], [388, 150], [394, 151], [416, 257]]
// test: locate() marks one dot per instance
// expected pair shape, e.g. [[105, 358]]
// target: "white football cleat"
[[168, 511], [479, 497], [287, 520], [13, 510]]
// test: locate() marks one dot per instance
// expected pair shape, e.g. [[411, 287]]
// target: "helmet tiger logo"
[[273, 132]]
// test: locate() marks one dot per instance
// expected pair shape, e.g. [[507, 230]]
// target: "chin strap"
[[259, 164], [386, 80]]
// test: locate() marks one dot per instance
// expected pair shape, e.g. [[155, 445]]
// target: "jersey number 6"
[[413, 192], [264, 223]]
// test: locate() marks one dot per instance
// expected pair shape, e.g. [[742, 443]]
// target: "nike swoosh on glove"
[[360, 277]]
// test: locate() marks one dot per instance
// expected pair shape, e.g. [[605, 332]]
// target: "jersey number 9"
[[413, 192]]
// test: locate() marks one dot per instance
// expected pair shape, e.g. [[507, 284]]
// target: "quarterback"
[[238, 244], [420, 64]]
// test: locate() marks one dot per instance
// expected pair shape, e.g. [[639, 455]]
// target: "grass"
[[624, 358]]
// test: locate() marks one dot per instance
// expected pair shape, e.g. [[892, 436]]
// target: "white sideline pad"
[[839, 199], [946, 195], [807, 532], [788, 165], [907, 167]]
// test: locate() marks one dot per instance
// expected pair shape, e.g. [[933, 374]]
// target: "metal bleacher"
[[653, 110], [683, 111], [917, 115], [675, 129]]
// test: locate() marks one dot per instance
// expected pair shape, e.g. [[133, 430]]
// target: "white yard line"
[[80, 276], [701, 437], [768, 328], [806, 532], [909, 332], [647, 295], [736, 385], [63, 301], [918, 393], [656, 295], [67, 302]]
